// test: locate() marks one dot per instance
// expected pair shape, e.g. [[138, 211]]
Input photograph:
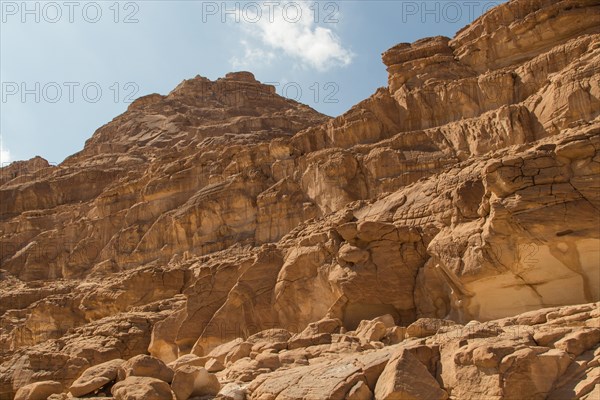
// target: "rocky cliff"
[[223, 239]]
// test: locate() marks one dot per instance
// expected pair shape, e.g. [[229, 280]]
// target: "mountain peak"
[[196, 109], [242, 76]]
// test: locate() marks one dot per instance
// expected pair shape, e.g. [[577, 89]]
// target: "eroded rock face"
[[223, 226]]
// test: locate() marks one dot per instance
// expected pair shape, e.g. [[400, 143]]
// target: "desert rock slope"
[[440, 240]]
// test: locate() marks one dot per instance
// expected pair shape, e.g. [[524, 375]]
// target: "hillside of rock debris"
[[440, 240]]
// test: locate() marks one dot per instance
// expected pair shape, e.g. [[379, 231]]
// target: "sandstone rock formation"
[[440, 239]]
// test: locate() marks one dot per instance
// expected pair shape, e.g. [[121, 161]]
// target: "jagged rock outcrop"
[[270, 251]]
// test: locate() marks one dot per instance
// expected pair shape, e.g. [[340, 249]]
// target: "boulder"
[[315, 333], [424, 327], [268, 360], [232, 391], [240, 351], [140, 387], [371, 331], [145, 366], [194, 381], [96, 377], [188, 359], [214, 365], [404, 377], [360, 391], [38, 390]]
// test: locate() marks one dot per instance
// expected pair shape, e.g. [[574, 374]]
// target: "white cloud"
[[4, 156], [253, 57], [296, 34]]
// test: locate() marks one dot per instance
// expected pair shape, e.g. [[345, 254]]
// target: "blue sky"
[[69, 67]]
